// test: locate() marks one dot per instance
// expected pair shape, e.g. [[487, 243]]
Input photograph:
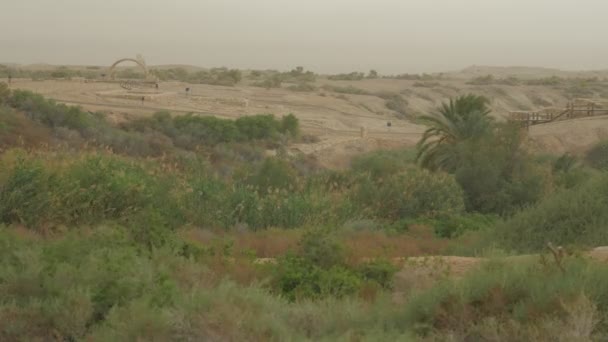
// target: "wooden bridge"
[[578, 108]]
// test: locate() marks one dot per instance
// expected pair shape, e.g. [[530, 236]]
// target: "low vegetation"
[[182, 228]]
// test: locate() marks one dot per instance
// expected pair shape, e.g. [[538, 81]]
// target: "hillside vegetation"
[[183, 228]]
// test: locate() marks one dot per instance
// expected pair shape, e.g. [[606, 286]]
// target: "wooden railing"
[[577, 108]]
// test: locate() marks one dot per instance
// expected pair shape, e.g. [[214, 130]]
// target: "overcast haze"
[[324, 35]]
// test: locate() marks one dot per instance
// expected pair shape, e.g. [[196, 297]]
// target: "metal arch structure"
[[139, 61]]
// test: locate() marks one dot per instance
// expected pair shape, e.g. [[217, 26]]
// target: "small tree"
[[290, 125], [463, 118]]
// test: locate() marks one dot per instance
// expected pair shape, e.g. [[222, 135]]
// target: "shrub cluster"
[[190, 131], [320, 270], [274, 79], [215, 76], [519, 301], [148, 136], [409, 194], [346, 90], [573, 216], [353, 76]]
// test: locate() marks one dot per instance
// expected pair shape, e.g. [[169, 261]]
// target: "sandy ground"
[[337, 119]]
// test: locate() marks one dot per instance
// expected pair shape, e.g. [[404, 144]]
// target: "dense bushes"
[[409, 194], [488, 159], [574, 216], [109, 247], [518, 301], [46, 193], [381, 164], [215, 76], [100, 286], [153, 136], [497, 175], [191, 131], [319, 270]]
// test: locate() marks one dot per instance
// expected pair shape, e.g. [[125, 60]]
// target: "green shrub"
[[497, 175], [527, 294], [43, 194], [597, 156], [456, 225], [574, 216], [274, 174], [206, 129], [380, 272], [290, 125], [410, 194], [382, 164], [26, 193], [50, 113], [258, 127], [96, 286], [319, 270]]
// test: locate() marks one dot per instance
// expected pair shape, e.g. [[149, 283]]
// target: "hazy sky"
[[324, 35]]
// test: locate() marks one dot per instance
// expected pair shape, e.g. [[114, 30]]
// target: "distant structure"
[[139, 60], [577, 108]]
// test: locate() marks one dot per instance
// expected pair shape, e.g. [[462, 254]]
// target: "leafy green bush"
[[497, 175], [258, 127], [98, 286], [49, 112], [574, 216], [379, 272], [319, 270], [274, 174], [456, 225], [66, 287], [43, 194], [410, 194], [290, 125]]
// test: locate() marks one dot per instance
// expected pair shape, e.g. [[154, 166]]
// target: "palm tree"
[[466, 117]]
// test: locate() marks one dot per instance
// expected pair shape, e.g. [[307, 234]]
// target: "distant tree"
[[372, 74]]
